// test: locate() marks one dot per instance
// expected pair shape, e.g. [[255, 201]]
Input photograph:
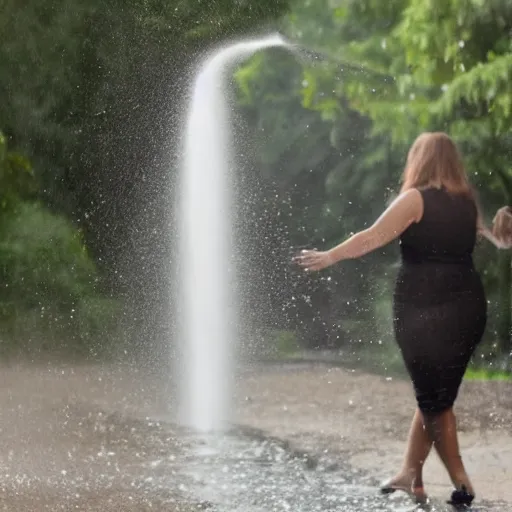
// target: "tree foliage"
[[16, 177], [48, 278], [375, 75], [93, 94]]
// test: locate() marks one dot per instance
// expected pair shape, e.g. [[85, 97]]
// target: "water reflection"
[[236, 473]]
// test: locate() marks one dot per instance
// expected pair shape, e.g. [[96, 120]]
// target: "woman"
[[439, 304]]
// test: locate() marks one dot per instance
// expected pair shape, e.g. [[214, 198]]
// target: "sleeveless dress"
[[439, 304]]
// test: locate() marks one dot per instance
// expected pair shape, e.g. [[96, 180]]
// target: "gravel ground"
[[364, 419], [98, 438], [69, 440]]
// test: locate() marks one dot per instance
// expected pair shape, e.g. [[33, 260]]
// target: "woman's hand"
[[313, 259], [502, 226]]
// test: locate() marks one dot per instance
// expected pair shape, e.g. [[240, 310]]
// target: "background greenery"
[[333, 129], [92, 103]]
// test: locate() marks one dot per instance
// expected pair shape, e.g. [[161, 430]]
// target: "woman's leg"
[[418, 447], [442, 429]]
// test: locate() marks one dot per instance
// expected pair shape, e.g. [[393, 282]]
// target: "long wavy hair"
[[435, 161]]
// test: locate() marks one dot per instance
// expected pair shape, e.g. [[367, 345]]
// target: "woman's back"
[[437, 252], [446, 232]]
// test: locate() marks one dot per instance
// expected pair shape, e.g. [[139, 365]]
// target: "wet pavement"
[[110, 462], [239, 474], [76, 440]]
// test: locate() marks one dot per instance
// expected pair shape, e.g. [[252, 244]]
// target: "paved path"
[[364, 419], [88, 438]]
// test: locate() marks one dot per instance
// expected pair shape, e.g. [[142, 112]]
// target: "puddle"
[[90, 460], [237, 473]]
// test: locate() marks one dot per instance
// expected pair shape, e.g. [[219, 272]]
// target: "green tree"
[[453, 73], [413, 66], [470, 62], [93, 92], [16, 177], [49, 295], [376, 74]]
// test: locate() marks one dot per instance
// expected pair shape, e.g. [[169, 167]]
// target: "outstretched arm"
[[403, 211]]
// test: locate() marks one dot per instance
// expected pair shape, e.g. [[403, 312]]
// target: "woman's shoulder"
[[409, 202], [410, 196]]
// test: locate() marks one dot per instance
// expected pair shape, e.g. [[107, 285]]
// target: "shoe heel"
[[461, 497]]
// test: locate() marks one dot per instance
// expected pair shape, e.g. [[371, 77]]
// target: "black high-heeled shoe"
[[461, 497]]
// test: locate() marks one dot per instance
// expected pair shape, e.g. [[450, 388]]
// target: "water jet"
[[207, 302]]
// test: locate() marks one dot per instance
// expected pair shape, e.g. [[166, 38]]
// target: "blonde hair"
[[434, 161]]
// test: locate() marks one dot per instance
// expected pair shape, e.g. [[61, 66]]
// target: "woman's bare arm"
[[403, 211]]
